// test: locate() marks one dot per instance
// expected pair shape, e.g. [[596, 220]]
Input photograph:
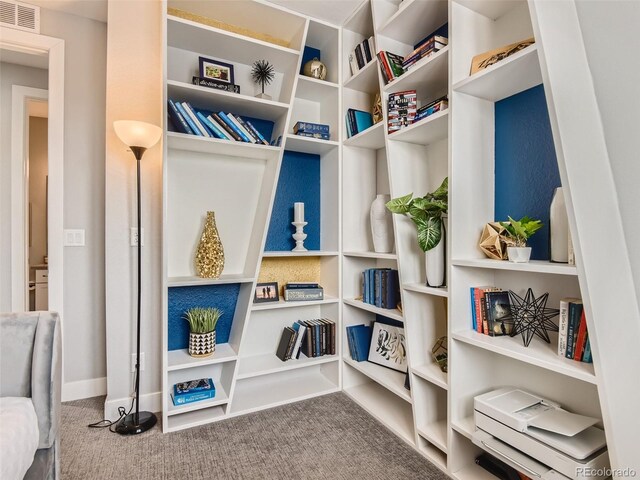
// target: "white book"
[[221, 128], [353, 63], [372, 47], [249, 135], [563, 324], [195, 119]]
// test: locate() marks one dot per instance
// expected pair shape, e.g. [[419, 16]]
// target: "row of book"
[[312, 130], [312, 338], [573, 336], [490, 307], [401, 110], [225, 126], [436, 106], [359, 340], [381, 287], [357, 121], [193, 391], [390, 65], [361, 55], [430, 44], [303, 291]]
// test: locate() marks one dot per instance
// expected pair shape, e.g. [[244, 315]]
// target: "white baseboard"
[[150, 402], [94, 387]]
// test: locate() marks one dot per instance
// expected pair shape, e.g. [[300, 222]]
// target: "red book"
[[581, 339], [478, 295]]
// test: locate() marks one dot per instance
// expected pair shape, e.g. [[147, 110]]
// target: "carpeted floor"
[[329, 437]]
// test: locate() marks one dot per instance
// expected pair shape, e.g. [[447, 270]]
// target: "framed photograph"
[[266, 292], [388, 347], [216, 70]]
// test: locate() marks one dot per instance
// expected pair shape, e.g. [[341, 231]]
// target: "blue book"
[[359, 120], [178, 121], [233, 126], [473, 309], [350, 342], [193, 391], [215, 131], [309, 127], [586, 356], [393, 287], [194, 128], [362, 334], [575, 312], [256, 132]]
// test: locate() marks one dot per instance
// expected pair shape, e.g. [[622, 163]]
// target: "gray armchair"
[[30, 366]]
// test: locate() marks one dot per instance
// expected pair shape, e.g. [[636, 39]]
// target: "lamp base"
[[134, 424]]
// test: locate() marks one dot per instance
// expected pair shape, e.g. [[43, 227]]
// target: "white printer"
[[539, 438]]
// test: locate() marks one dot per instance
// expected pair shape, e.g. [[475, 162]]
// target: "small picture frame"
[[216, 70], [266, 292], [388, 347]]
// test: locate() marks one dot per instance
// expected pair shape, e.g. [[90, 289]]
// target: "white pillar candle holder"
[[299, 236]]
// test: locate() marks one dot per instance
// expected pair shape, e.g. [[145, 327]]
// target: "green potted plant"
[[202, 330], [520, 231], [427, 214]]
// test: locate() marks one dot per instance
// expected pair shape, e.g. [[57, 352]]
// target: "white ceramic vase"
[[435, 262], [381, 225], [559, 228], [519, 254]]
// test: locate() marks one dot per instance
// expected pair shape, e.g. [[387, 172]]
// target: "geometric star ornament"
[[493, 241], [531, 316]]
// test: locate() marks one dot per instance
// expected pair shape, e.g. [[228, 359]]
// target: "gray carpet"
[[329, 437]]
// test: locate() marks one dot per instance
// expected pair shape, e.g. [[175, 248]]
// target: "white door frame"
[[36, 44], [20, 192]]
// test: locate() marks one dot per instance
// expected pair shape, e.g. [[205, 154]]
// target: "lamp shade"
[[137, 134]]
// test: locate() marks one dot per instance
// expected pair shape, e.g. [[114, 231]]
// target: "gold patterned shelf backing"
[[176, 12], [283, 270]]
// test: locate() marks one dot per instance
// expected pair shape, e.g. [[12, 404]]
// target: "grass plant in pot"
[[427, 214], [520, 231], [202, 330]]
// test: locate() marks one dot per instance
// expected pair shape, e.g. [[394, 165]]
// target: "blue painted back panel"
[[526, 169]]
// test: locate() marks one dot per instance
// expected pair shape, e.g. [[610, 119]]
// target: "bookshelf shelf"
[[428, 130], [465, 426], [430, 73], [196, 281], [414, 20], [385, 406], [309, 253], [473, 472], [431, 373], [435, 433], [492, 9], [257, 365], [372, 137], [366, 79], [433, 454], [195, 418], [236, 103], [316, 146], [394, 314], [389, 379], [180, 359], [221, 398], [194, 143], [282, 304], [512, 75], [314, 89], [534, 266], [420, 288], [381, 256], [538, 353]]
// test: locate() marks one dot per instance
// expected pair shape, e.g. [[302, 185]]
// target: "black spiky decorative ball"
[[262, 73]]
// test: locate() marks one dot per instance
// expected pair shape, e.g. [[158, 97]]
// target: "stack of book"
[[312, 130], [438, 105], [361, 55], [424, 48], [303, 291], [490, 307], [357, 121], [390, 65], [193, 391], [312, 338], [573, 337], [225, 126], [359, 339], [218, 85], [402, 109], [380, 287]]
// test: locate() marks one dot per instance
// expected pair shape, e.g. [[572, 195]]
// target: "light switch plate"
[[74, 238]]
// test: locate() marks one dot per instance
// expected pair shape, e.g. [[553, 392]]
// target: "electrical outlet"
[[133, 236], [133, 362]]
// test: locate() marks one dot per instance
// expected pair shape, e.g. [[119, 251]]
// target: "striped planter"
[[202, 344]]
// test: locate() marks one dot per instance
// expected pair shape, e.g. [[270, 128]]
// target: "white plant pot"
[[519, 254], [435, 261], [381, 225], [202, 344]]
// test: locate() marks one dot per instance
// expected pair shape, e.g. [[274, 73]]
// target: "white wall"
[[38, 151], [134, 91], [10, 75]]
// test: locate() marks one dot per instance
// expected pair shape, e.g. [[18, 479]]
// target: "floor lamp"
[[139, 136]]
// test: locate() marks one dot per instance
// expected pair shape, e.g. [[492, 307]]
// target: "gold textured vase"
[[210, 254]]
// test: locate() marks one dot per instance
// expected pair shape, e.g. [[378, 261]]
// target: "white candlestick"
[[298, 212]]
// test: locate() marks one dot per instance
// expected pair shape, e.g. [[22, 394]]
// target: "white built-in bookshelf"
[[239, 181]]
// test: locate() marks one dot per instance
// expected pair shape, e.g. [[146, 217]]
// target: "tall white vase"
[[559, 228], [435, 262], [381, 225]]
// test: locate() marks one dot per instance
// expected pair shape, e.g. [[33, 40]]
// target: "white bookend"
[[195, 119]]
